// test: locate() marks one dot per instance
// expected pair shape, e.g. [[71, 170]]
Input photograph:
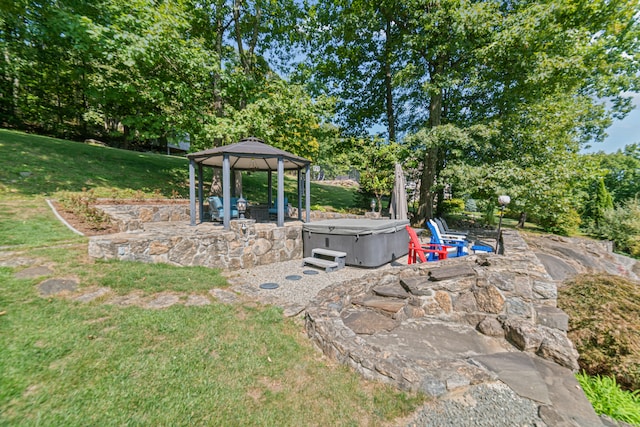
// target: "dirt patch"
[[81, 224]]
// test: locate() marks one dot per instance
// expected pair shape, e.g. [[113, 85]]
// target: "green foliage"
[[621, 172], [599, 202], [82, 205], [453, 206], [549, 199], [376, 163], [470, 205], [282, 114], [488, 209], [604, 325], [521, 83], [607, 398], [140, 73], [622, 226]]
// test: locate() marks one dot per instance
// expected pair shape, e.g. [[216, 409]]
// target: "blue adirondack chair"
[[444, 229], [461, 245], [273, 210], [216, 208]]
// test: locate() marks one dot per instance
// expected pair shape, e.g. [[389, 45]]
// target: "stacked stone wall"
[[509, 297], [161, 233], [133, 217]]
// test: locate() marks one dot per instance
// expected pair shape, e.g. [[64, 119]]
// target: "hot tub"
[[367, 242]]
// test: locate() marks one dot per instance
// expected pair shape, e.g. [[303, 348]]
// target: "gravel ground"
[[293, 295], [485, 405]]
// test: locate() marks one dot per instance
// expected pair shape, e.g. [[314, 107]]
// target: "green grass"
[[609, 399], [69, 363], [66, 363], [43, 166], [38, 165], [30, 222]]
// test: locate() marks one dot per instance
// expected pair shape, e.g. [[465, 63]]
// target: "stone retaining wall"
[[133, 217], [161, 233], [509, 297], [207, 244]]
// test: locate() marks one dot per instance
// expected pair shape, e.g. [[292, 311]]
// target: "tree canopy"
[[148, 71], [521, 84], [483, 96]]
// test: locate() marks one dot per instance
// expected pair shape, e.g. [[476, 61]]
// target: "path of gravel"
[[293, 295]]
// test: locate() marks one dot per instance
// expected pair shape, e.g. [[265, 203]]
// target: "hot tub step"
[[328, 253], [323, 263]]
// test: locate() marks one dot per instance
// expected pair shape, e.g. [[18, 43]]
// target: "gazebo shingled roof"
[[248, 154]]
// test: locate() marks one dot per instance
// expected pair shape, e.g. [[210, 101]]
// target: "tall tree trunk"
[[425, 210], [126, 134], [237, 183], [430, 163], [10, 79], [216, 183], [216, 78], [388, 84]]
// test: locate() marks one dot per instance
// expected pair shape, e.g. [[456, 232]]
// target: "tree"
[[355, 52], [282, 114], [533, 74], [621, 172], [147, 71], [599, 202], [375, 161]]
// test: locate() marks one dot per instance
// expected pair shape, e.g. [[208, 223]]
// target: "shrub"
[[608, 398], [604, 314], [470, 205], [562, 220], [81, 204], [488, 210], [452, 206], [622, 226]]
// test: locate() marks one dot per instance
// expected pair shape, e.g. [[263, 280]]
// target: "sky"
[[621, 132]]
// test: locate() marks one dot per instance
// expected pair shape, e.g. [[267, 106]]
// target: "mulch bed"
[[91, 229]]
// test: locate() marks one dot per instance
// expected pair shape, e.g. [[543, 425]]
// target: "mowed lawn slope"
[[64, 362], [40, 166]]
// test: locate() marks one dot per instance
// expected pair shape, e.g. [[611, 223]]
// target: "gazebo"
[[250, 154]]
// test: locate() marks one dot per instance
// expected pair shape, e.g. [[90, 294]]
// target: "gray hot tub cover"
[[355, 227]]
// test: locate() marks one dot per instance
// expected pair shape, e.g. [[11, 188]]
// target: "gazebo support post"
[[192, 191], [269, 188], [280, 196], [226, 191], [307, 193], [299, 204], [200, 198]]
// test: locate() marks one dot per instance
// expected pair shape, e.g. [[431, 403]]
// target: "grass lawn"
[[70, 363], [41, 166]]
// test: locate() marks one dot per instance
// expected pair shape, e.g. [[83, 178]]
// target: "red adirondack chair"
[[417, 249]]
